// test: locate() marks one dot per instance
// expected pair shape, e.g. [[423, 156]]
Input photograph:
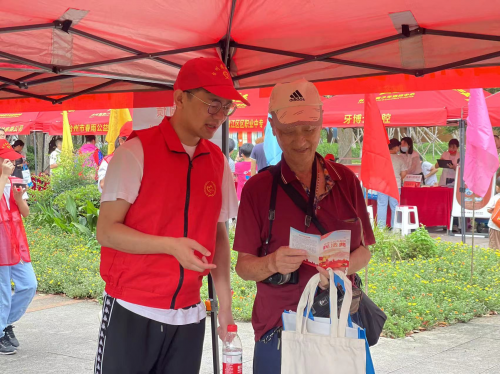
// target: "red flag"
[[377, 172]]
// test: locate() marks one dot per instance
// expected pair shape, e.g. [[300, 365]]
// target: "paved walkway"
[[58, 335]]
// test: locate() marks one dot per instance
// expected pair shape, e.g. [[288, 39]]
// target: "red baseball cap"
[[7, 152], [126, 129], [210, 74]]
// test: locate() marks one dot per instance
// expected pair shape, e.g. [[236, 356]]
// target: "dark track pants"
[[132, 344]]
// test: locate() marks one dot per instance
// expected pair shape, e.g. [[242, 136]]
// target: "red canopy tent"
[[406, 109], [493, 103], [82, 122], [17, 123], [57, 50], [250, 118]]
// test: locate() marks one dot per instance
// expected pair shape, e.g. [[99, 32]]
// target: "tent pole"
[[472, 249], [34, 151], [43, 151], [461, 125]]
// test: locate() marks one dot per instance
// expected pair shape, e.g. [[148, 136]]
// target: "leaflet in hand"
[[328, 251]]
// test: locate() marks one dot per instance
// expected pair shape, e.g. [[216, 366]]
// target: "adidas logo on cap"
[[297, 96]]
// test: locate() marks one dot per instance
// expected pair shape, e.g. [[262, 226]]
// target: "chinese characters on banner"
[[246, 124], [356, 119], [14, 129], [90, 128], [391, 96], [162, 112]]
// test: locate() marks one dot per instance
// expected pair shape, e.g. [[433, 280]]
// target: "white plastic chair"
[[402, 221]]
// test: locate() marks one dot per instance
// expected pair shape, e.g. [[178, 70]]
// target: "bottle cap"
[[232, 328]]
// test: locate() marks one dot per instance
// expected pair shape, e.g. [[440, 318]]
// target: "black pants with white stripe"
[[132, 344]]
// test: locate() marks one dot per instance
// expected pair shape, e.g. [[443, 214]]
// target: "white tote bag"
[[304, 352]]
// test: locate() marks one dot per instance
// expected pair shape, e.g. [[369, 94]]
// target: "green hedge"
[[65, 263], [80, 195]]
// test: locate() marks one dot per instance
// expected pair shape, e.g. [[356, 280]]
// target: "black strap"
[[274, 170], [296, 197], [299, 201]]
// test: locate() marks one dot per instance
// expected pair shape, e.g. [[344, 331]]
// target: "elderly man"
[[338, 204]]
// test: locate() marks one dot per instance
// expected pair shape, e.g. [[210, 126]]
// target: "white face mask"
[[404, 149]]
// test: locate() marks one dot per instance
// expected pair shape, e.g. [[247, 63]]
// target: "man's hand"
[[18, 193], [325, 276], [183, 250], [286, 260], [454, 167], [225, 318], [7, 168], [490, 210]]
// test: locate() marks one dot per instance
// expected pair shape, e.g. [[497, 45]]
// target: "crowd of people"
[[407, 161]]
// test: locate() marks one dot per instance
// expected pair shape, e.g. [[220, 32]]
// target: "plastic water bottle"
[[232, 352]]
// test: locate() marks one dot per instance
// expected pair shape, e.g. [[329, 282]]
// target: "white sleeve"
[[229, 207], [101, 173], [124, 174], [493, 202], [53, 158]]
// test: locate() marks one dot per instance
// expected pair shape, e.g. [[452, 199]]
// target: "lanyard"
[[312, 194]]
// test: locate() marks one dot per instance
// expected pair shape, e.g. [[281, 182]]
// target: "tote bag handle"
[[337, 324]]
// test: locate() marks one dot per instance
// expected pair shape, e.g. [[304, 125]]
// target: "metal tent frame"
[[226, 47]]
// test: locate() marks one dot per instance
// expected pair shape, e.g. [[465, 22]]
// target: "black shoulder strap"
[[299, 201], [294, 195], [275, 172]]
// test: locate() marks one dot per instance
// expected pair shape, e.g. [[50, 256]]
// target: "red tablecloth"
[[434, 204]]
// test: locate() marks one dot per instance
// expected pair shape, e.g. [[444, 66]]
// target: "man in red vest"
[[167, 196]]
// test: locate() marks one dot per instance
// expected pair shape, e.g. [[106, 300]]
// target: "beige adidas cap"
[[296, 102]]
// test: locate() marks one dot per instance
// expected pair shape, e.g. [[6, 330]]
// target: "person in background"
[[125, 132], [497, 143], [15, 260], [494, 242], [411, 157], [55, 156], [2, 133], [245, 168], [231, 146], [448, 175], [258, 154], [94, 155], [20, 162], [399, 166], [429, 171]]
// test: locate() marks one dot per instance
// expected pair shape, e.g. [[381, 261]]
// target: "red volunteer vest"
[[13, 241], [178, 198]]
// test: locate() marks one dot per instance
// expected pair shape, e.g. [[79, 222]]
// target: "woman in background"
[[411, 158], [448, 175]]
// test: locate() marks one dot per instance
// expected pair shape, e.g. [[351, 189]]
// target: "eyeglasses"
[[215, 106]]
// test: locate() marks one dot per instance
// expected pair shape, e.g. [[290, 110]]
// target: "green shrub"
[[65, 263], [396, 247], [71, 174], [81, 195], [326, 148]]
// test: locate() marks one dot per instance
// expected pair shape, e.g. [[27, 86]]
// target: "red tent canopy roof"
[[61, 47], [419, 108]]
